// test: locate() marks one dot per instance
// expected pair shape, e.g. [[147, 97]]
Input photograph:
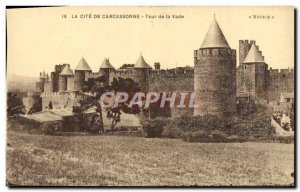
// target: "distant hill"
[[21, 83]]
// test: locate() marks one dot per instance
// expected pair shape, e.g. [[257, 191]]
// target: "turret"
[[141, 73], [44, 78], [215, 75], [64, 77], [105, 69], [255, 73], [80, 72]]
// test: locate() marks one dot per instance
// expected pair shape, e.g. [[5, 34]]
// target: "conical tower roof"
[[83, 66], [214, 37], [106, 64], [253, 56], [66, 70], [141, 63]]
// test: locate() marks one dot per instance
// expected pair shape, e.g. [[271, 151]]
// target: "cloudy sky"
[[39, 38]]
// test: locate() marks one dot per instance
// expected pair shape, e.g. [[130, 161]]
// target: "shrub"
[[171, 131], [154, 127], [211, 128]]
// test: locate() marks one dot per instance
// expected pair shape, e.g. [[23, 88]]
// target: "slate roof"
[[106, 64], [67, 71], [253, 56], [83, 66], [214, 37], [141, 63]]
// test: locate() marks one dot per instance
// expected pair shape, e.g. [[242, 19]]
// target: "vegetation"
[[154, 127], [37, 104], [253, 127], [97, 87], [123, 85], [135, 161], [14, 104]]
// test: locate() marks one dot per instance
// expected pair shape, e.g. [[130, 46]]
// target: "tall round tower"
[[105, 69], [141, 73], [65, 74], [81, 69], [215, 75]]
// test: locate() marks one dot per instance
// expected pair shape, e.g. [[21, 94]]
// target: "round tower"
[[64, 76], [80, 72], [62, 83], [215, 75], [141, 73], [105, 69]]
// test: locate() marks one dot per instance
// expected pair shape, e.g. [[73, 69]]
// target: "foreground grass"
[[127, 161]]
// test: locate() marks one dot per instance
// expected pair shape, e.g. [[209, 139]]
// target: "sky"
[[39, 38]]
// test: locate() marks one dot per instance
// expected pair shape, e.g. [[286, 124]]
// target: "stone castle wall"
[[48, 87], [62, 83], [70, 83], [79, 78], [280, 81], [215, 80], [253, 79], [171, 82], [60, 100], [259, 81]]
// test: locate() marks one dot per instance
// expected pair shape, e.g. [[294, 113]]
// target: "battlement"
[[247, 42], [123, 72], [57, 93], [281, 71], [214, 52], [176, 71], [170, 75], [92, 75]]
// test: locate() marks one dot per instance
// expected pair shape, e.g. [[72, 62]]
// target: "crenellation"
[[215, 79]]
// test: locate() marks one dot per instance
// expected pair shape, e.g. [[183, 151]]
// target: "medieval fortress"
[[221, 87]]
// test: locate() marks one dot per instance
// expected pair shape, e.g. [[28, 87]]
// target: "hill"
[[21, 83]]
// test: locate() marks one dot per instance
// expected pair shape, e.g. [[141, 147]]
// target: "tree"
[[79, 119], [14, 104], [97, 87], [37, 104], [126, 86]]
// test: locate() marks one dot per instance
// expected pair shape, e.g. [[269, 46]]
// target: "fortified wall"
[[59, 100], [280, 81]]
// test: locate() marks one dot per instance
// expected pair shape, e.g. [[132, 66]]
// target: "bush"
[[154, 127], [211, 128], [171, 131]]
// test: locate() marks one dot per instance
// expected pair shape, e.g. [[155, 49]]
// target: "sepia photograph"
[[150, 96]]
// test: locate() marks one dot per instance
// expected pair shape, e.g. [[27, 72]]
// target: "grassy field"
[[127, 161]]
